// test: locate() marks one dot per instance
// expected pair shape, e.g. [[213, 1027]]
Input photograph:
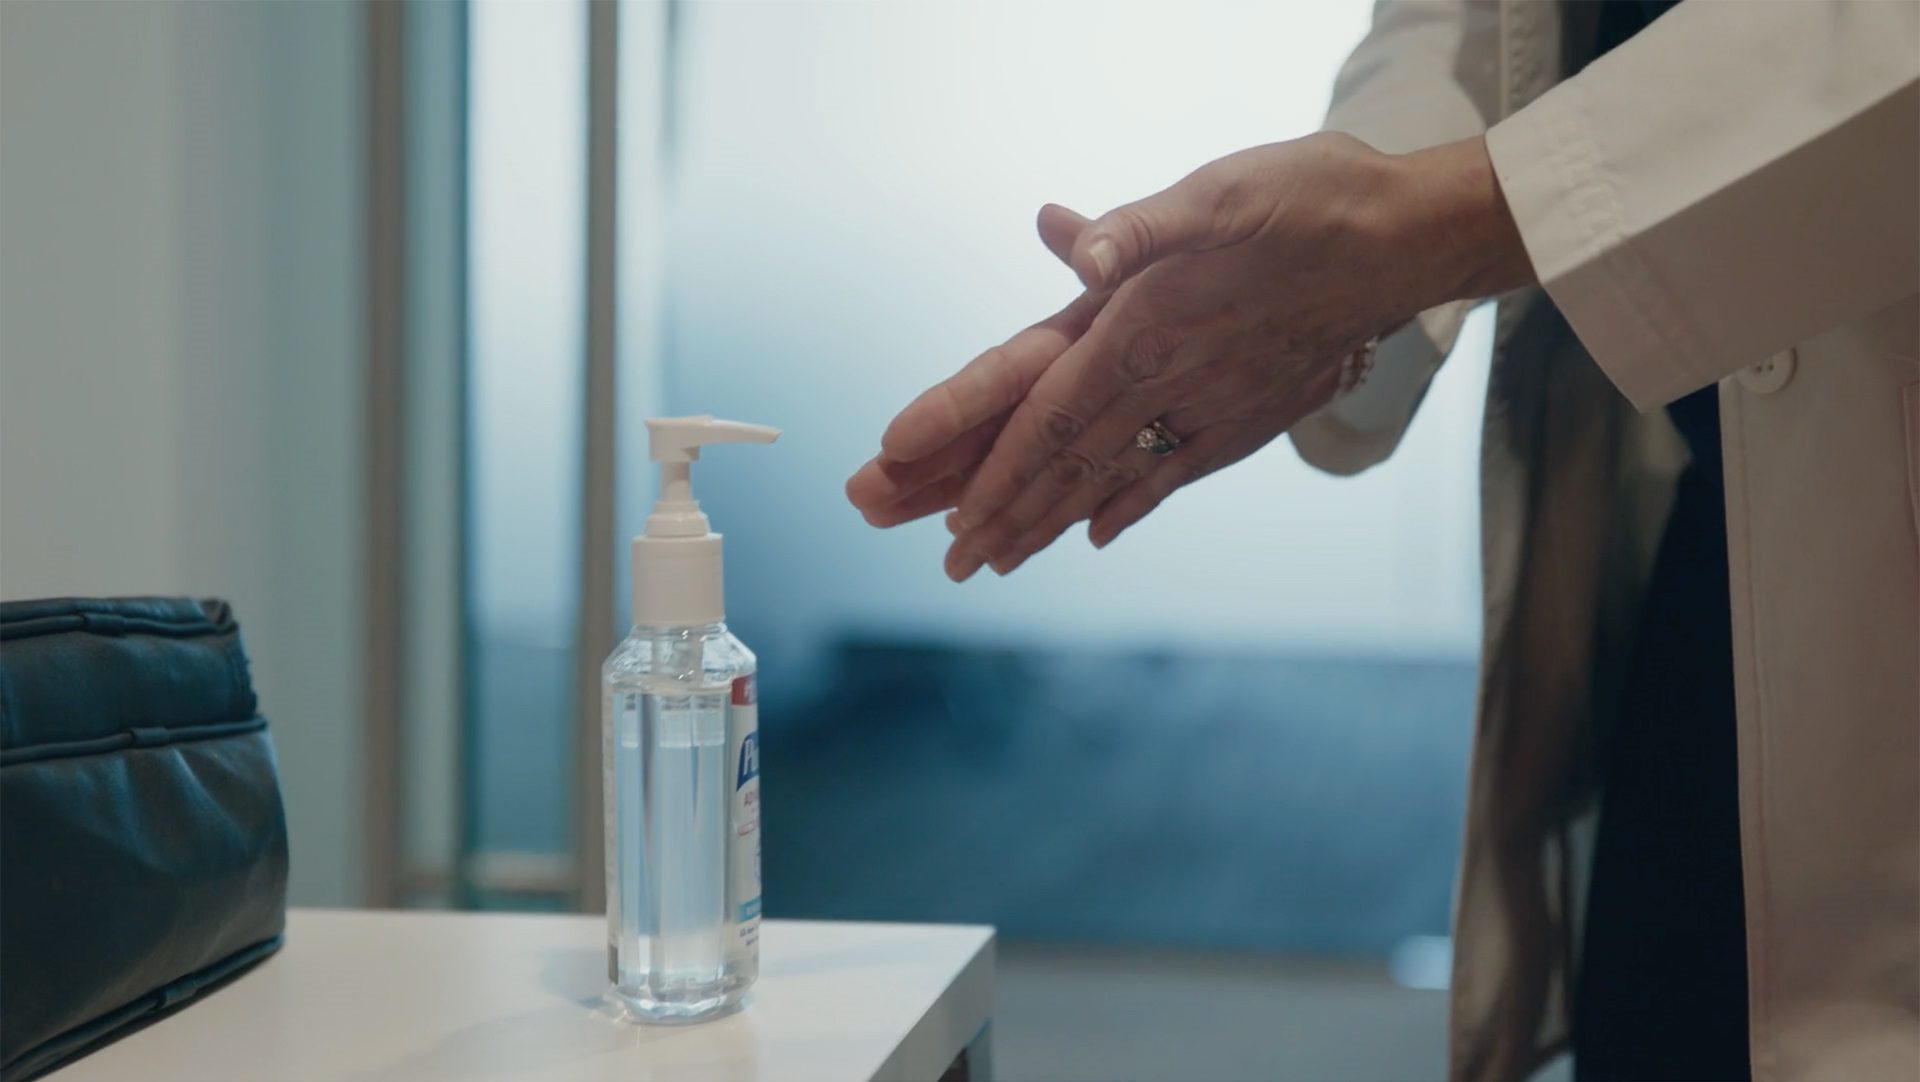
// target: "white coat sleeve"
[[1426, 73], [1734, 179]]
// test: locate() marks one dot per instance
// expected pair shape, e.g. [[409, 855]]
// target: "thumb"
[[1126, 240], [1059, 228]]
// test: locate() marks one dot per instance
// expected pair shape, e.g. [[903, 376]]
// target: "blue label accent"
[[749, 909], [749, 759]]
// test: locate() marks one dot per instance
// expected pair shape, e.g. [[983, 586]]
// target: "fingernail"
[[1100, 540], [1003, 566], [1104, 259], [966, 566]]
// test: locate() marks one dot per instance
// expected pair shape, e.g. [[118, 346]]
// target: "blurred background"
[[350, 312]]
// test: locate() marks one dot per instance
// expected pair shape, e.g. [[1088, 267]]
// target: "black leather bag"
[[143, 846]]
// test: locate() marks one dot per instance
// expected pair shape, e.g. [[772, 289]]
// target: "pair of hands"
[[1223, 307]]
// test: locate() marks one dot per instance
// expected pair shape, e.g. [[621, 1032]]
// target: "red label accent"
[[746, 691]]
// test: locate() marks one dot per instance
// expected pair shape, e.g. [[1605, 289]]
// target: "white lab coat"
[[1729, 197]]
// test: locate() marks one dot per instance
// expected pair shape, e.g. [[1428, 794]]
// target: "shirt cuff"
[[1361, 429], [1563, 201]]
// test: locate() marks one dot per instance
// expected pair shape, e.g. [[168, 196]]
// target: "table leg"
[[975, 1061]]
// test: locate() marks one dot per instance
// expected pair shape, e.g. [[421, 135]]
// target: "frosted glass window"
[[527, 131]]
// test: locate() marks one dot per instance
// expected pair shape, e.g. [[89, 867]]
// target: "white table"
[[376, 996]]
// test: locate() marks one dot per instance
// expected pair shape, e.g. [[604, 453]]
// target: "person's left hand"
[[1231, 301]]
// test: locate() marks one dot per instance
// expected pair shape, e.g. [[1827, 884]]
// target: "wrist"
[[1462, 226]]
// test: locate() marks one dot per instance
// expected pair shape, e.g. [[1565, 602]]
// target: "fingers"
[[1127, 470], [1195, 458], [1056, 520], [930, 500], [882, 483], [1207, 452], [1042, 513], [989, 385], [1215, 449], [1130, 357], [1079, 478], [1126, 240]]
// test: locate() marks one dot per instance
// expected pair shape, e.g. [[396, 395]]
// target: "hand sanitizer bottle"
[[681, 762]]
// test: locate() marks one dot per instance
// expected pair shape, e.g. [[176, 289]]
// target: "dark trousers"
[[1662, 988]]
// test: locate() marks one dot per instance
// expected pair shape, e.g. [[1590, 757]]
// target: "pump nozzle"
[[679, 439], [676, 563], [675, 443]]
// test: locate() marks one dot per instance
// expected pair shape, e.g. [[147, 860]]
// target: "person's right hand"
[[929, 452]]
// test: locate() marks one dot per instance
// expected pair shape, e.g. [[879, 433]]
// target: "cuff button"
[[1771, 374]]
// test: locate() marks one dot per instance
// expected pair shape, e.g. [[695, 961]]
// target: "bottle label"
[[743, 848]]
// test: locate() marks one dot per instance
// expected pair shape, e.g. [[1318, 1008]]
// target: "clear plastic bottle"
[[681, 755]]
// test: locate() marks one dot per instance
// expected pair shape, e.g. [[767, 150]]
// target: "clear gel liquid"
[[683, 902]]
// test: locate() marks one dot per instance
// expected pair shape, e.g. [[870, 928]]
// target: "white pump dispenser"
[[677, 562]]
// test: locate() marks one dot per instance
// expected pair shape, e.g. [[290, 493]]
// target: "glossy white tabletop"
[[375, 996]]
